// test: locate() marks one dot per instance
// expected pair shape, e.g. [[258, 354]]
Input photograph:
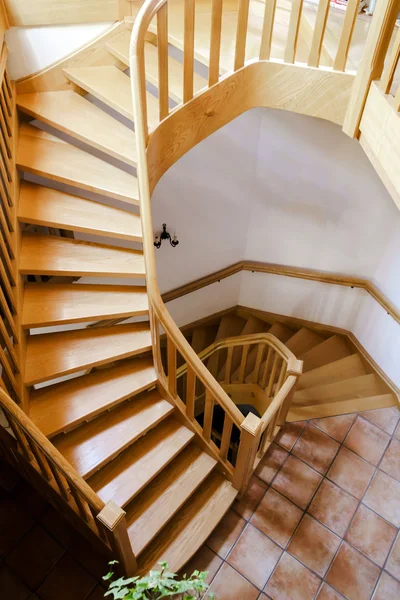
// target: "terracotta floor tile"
[[385, 418], [66, 581], [204, 560], [277, 517], [316, 449], [367, 440], [292, 581], [383, 496], [14, 524], [248, 504], [255, 556], [387, 588], [229, 584], [297, 481], [35, 556], [314, 545], [393, 563], [226, 533], [397, 431], [336, 427], [391, 459], [352, 574], [328, 593], [289, 434], [371, 534], [11, 588], [271, 463], [351, 472], [333, 507]]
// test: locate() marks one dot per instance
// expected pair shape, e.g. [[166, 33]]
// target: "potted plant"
[[157, 584]]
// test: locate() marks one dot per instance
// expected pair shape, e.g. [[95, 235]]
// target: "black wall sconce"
[[164, 235]]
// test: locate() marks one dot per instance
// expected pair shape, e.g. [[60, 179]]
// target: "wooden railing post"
[[371, 66], [249, 440], [113, 518]]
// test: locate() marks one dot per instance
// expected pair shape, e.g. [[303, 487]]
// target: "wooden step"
[[281, 332], [159, 502], [113, 87], [61, 407], [51, 355], [70, 113], [332, 409], [120, 49], [59, 304], [191, 526], [53, 255], [356, 387], [332, 349], [229, 326], [126, 476], [345, 368], [202, 338], [252, 325], [303, 340], [93, 445], [46, 155], [40, 205]]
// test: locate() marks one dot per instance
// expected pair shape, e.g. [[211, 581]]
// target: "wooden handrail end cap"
[[251, 424], [111, 515]]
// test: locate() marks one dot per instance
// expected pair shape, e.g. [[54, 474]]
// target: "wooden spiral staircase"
[[108, 432]]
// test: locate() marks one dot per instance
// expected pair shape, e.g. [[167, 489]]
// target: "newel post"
[[294, 369], [113, 518], [250, 435]]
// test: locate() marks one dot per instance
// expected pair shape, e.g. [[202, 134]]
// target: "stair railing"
[[33, 454]]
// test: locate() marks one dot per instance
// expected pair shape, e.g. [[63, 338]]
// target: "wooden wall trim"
[[287, 271]]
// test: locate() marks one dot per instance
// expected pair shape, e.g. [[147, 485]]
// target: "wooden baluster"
[[267, 365], [282, 376], [249, 440], [241, 34], [113, 517], [319, 32], [162, 47], [62, 486], [8, 370], [293, 33], [141, 84], [371, 65], [171, 360], [266, 37], [40, 459], [272, 375], [228, 365], [287, 403], [346, 35], [190, 392], [388, 73], [20, 437], [260, 352], [208, 415], [243, 363], [226, 437], [215, 42], [271, 427], [81, 504], [188, 50]]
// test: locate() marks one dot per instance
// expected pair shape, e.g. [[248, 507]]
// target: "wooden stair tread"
[[252, 325], [202, 337], [332, 349], [344, 368], [72, 114], [303, 340], [125, 477], [331, 409], [59, 304], [46, 155], [281, 332], [191, 526], [53, 255], [113, 87], [148, 513], [356, 387], [58, 408], [53, 354], [40, 205], [229, 326], [120, 49], [91, 446]]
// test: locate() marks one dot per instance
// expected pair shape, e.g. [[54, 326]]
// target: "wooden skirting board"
[[287, 271]]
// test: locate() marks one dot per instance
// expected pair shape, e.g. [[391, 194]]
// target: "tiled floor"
[[320, 520]]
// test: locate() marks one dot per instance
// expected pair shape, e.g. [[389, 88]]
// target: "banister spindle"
[[281, 377], [393, 61], [293, 33], [190, 392], [241, 34], [260, 352], [208, 415], [273, 374], [188, 50], [171, 361], [228, 365], [215, 42], [243, 363], [162, 48], [268, 25], [319, 32], [266, 367], [226, 437], [346, 35]]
